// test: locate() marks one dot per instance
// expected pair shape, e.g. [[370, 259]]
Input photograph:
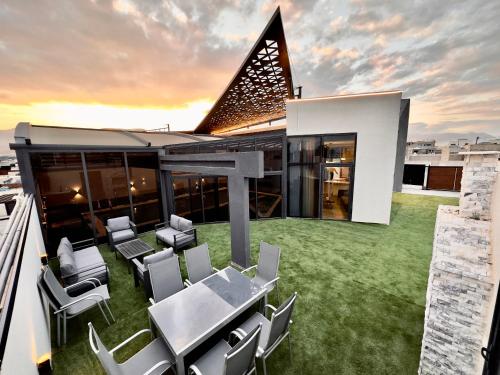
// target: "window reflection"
[[62, 197], [108, 187], [269, 196], [339, 149], [143, 173]]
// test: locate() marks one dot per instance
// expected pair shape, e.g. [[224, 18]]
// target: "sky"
[[146, 63]]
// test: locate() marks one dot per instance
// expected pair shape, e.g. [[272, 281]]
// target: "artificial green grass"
[[361, 293]]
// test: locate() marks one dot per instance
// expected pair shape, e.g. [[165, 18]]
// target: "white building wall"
[[375, 119], [28, 340]]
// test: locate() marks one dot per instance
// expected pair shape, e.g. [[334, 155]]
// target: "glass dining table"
[[190, 317]]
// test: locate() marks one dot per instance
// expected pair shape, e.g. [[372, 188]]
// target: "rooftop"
[[361, 291]]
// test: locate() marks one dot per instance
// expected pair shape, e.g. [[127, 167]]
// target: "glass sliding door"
[[320, 176], [336, 192], [109, 188]]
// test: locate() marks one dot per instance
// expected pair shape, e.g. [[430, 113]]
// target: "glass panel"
[[311, 150], [294, 191], [252, 198], [108, 187], [180, 187], [223, 212], [62, 198], [336, 192], [338, 149], [272, 153], [294, 146], [310, 191], [143, 172], [210, 198], [196, 214], [269, 196]]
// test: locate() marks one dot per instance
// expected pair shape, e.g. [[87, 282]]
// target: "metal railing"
[[11, 248]]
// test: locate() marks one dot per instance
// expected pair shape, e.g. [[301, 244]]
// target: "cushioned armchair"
[[120, 229], [178, 233], [141, 270]]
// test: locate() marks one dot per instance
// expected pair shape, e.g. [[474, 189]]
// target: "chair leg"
[[109, 310], [64, 328], [103, 314], [58, 330], [264, 365]]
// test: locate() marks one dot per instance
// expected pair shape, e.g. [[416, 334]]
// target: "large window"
[[67, 209], [265, 195], [62, 198], [320, 174]]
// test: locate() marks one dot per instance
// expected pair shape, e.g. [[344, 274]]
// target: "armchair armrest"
[[78, 245], [139, 265], [90, 280], [108, 230], [215, 269], [88, 268], [93, 296], [155, 366], [135, 335], [249, 269], [133, 227], [186, 232], [187, 283], [162, 225], [194, 370], [270, 282]]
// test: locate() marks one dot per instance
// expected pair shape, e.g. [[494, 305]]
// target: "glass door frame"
[[322, 167]]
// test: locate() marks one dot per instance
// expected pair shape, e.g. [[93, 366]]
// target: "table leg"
[[179, 363]]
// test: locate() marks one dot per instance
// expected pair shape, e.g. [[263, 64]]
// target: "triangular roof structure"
[[258, 91]]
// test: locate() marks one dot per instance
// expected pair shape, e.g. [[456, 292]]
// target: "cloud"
[[169, 53]]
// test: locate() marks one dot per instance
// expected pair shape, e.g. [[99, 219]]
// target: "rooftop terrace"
[[361, 293]]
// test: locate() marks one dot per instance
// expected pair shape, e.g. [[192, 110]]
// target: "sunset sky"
[[142, 64]]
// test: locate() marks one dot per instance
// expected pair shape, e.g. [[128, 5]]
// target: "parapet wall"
[[462, 276]]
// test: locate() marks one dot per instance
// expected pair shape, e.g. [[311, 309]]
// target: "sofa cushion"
[[119, 223], [88, 257], [167, 236], [123, 235], [68, 267], [174, 221], [185, 224], [164, 254], [64, 247]]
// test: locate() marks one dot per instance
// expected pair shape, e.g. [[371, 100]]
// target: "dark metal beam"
[[238, 167]]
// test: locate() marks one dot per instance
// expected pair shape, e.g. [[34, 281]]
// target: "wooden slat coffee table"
[[133, 249]]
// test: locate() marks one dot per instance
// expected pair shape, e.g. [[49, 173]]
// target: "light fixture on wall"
[[143, 180], [78, 193], [44, 258], [44, 364], [132, 187]]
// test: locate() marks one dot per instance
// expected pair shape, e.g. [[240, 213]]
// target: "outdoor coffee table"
[[190, 317], [133, 249]]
